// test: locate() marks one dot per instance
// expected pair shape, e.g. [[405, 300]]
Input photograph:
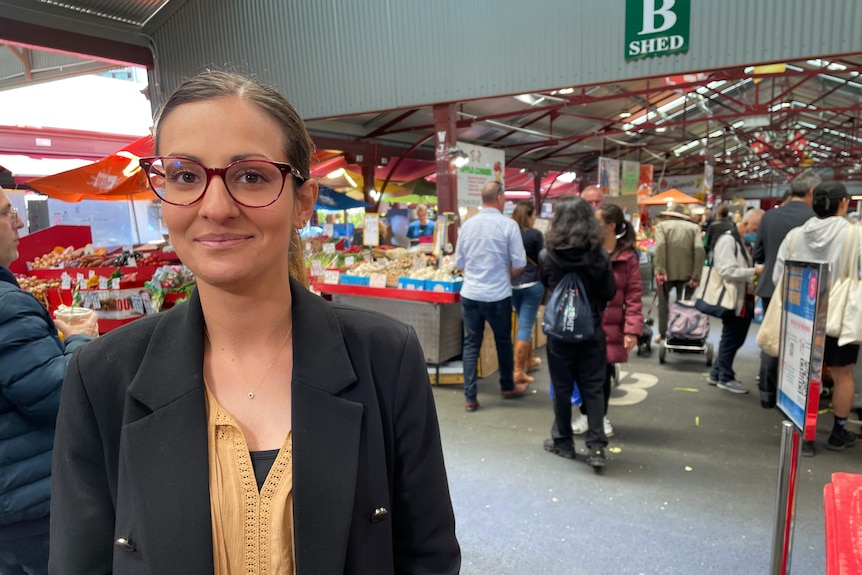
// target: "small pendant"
[[251, 395]]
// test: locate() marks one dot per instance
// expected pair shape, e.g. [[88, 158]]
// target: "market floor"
[[690, 485]]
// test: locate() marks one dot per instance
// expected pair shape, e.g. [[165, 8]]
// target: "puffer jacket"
[[32, 366], [624, 314]]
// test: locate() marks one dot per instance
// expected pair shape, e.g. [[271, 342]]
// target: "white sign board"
[[486, 165], [803, 333]]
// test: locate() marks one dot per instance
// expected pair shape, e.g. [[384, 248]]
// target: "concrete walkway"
[[689, 488]]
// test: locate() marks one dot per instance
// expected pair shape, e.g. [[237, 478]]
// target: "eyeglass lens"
[[253, 183]]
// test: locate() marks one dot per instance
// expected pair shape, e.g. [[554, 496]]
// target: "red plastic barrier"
[[842, 503]]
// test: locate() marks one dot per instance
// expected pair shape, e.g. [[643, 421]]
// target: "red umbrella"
[[114, 177]]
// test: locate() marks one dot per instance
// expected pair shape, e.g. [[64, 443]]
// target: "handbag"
[[714, 296], [843, 286], [769, 334], [851, 320]]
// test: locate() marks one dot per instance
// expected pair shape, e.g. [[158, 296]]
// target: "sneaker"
[[807, 449], [711, 380], [563, 448], [596, 459], [580, 425], [733, 386], [839, 439], [609, 431]]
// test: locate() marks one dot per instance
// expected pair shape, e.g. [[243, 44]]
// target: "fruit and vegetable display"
[[38, 286], [169, 286], [92, 257]]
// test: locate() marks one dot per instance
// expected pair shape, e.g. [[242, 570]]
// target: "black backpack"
[[568, 316]]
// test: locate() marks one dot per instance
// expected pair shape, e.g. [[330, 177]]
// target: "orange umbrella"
[[671, 196], [114, 177]]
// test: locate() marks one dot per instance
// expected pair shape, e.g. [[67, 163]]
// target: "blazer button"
[[125, 544], [379, 514]]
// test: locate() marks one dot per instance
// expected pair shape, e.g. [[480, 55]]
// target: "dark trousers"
[[768, 383], [25, 556], [585, 363], [683, 291], [734, 330], [499, 315]]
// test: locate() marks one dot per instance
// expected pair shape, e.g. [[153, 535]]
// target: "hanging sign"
[[656, 28], [609, 176], [486, 165], [631, 174]]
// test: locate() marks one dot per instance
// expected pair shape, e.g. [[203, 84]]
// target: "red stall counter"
[[39, 243]]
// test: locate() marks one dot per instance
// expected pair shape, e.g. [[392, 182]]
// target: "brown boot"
[[521, 350], [533, 363]]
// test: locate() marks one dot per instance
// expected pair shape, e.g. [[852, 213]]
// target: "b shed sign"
[[656, 27]]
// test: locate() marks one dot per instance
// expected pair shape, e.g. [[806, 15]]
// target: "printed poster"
[[645, 180], [486, 165], [609, 176], [631, 176]]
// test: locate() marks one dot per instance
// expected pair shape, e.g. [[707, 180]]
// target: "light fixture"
[[335, 174], [375, 195], [625, 114], [660, 129], [567, 177], [459, 158]]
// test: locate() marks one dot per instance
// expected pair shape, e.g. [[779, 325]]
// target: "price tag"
[[371, 234], [366, 257], [91, 273], [331, 276], [377, 280], [329, 248], [103, 282], [316, 268], [137, 303], [148, 304], [349, 260], [115, 283], [418, 263], [79, 278], [327, 230], [65, 281], [382, 261]]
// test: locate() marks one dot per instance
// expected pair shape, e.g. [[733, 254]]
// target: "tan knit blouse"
[[252, 530]]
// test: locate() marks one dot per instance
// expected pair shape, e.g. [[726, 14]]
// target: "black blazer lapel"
[[326, 437], [164, 469]]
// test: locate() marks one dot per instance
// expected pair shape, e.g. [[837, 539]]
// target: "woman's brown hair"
[[298, 147]]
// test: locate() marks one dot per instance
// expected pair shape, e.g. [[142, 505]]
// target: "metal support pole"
[[785, 500]]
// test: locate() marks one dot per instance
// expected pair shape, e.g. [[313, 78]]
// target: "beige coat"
[[679, 252]]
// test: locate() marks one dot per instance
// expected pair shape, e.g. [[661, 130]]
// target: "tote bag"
[[769, 334], [713, 295], [851, 316], [843, 286]]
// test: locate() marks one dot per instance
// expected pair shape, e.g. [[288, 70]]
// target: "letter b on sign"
[[656, 28]]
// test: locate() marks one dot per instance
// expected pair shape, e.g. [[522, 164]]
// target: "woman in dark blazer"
[[135, 481]]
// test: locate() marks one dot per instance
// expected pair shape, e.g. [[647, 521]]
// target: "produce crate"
[[354, 280], [443, 286], [410, 284]]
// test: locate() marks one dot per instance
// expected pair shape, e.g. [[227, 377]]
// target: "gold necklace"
[[277, 355]]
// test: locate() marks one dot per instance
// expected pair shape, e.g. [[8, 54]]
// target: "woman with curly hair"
[[574, 244]]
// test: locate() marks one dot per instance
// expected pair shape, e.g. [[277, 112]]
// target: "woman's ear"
[[306, 197]]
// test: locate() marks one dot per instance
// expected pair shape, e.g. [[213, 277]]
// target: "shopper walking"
[[256, 428], [33, 361], [574, 244], [527, 292], [823, 239], [623, 319], [491, 252], [733, 262], [773, 229]]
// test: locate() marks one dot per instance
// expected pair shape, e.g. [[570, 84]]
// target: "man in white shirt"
[[491, 252]]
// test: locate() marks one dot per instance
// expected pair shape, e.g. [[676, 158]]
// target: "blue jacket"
[[32, 366]]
